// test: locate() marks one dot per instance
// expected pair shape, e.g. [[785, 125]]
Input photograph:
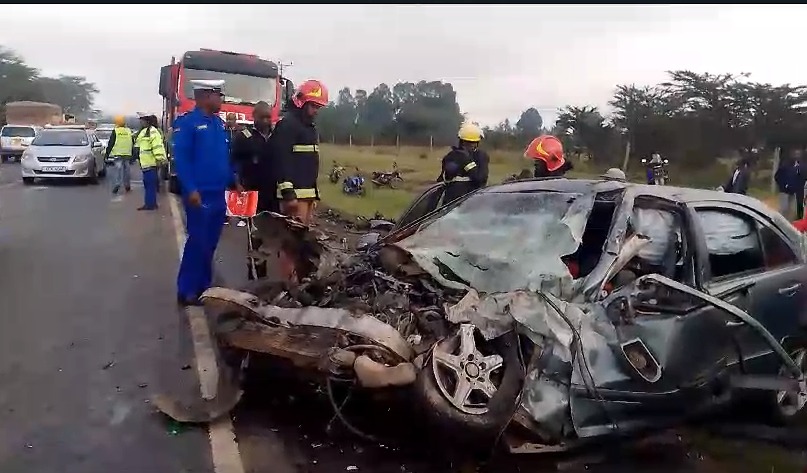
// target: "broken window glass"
[[659, 226], [500, 242], [732, 242]]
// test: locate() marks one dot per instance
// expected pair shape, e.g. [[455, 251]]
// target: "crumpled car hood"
[[504, 249]]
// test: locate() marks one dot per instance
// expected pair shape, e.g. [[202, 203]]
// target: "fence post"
[[398, 144], [431, 143], [350, 141], [627, 157], [333, 139], [776, 156], [372, 141]]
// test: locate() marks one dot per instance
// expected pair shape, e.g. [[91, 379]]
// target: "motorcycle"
[[387, 179], [353, 185], [337, 171], [656, 169]]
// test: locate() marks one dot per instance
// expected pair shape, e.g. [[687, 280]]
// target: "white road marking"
[[223, 446]]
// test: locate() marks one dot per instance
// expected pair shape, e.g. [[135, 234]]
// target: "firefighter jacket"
[[460, 172], [149, 141], [295, 151], [201, 153]]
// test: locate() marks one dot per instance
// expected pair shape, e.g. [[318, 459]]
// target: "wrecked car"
[[549, 312]]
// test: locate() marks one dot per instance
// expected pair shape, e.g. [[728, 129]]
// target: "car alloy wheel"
[[465, 376]]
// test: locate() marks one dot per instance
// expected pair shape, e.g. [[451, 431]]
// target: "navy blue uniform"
[[202, 159]]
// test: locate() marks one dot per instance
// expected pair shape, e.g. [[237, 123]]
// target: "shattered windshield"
[[500, 242]]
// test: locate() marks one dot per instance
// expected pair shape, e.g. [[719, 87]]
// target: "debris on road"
[[108, 365]]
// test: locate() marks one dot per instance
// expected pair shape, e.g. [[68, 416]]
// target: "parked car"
[[14, 139], [103, 133], [555, 311], [67, 151]]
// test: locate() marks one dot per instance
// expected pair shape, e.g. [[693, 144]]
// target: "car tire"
[[780, 408], [473, 429], [28, 181]]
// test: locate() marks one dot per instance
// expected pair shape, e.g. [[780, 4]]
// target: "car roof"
[[677, 194], [65, 127]]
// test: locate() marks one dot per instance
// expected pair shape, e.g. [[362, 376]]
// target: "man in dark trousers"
[[740, 178], [204, 170], [251, 155], [790, 178]]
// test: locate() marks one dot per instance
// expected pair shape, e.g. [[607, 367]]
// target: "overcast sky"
[[501, 59]]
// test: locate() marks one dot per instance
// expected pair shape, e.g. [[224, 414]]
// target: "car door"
[[96, 146], [671, 325], [755, 266]]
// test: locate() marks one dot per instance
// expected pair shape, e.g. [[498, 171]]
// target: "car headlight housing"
[[82, 158], [27, 155]]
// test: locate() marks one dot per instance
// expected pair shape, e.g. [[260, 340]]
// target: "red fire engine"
[[248, 79]]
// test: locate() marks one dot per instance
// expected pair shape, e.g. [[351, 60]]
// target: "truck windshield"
[[61, 138], [238, 89]]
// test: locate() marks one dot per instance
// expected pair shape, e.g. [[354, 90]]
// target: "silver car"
[[104, 134], [14, 139], [64, 152]]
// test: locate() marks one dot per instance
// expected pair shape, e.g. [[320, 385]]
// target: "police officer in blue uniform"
[[201, 154]]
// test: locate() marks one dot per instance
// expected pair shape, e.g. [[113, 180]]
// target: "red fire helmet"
[[547, 148], [311, 91]]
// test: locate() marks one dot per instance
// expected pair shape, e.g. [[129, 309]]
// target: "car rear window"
[[61, 138], [18, 131]]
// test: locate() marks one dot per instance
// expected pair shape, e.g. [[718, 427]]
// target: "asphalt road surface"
[[89, 331]]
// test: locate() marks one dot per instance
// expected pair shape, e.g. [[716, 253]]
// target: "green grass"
[[420, 167]]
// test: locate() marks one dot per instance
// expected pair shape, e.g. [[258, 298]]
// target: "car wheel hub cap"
[[463, 373]]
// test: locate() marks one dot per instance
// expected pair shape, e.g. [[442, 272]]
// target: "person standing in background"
[[120, 146], [151, 153], [790, 179], [251, 154], [740, 178], [202, 158]]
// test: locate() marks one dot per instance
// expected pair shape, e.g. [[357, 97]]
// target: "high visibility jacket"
[[295, 149], [152, 149], [122, 147]]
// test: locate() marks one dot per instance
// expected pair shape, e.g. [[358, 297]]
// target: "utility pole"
[[282, 65]]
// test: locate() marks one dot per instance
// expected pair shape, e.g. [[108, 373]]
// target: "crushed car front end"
[[515, 312]]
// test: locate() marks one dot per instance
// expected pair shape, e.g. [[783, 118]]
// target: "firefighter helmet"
[[548, 149], [311, 91], [470, 132]]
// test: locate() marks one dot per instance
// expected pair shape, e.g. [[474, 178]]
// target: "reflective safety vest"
[[123, 142], [152, 149]]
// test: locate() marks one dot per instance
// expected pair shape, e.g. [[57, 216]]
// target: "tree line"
[[22, 82], [691, 118]]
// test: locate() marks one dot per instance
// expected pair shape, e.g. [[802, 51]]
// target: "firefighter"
[[151, 153], [546, 151], [120, 147], [295, 149], [202, 158], [462, 168]]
